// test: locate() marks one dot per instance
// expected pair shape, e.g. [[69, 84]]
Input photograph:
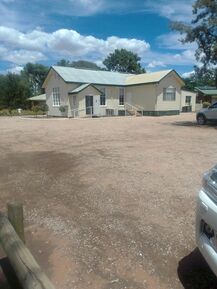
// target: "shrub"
[[206, 104], [44, 108], [62, 108], [36, 109]]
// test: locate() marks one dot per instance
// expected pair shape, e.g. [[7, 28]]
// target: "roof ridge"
[[89, 69]]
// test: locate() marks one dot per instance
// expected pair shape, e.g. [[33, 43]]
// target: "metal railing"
[[83, 112], [135, 108], [107, 111]]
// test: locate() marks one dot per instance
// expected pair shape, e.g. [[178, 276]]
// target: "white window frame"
[[103, 89], [121, 96], [74, 100], [56, 96], [188, 102], [169, 94]]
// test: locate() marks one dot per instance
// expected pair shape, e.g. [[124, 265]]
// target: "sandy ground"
[[110, 203]]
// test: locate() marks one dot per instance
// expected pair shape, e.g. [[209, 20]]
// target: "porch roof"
[[41, 97], [82, 87], [207, 91]]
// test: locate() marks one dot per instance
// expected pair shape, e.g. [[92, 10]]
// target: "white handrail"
[[105, 111], [130, 106], [135, 108], [78, 110]]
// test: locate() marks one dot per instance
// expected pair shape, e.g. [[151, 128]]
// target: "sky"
[[45, 31]]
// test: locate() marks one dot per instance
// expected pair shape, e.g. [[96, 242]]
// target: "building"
[[38, 100], [207, 94], [188, 100], [80, 92]]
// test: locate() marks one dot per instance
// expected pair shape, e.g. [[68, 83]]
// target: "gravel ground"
[[110, 203]]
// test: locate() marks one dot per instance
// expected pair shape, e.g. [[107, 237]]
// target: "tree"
[[85, 64], [79, 64], [64, 62], [35, 75], [200, 79], [14, 91], [203, 31], [123, 60]]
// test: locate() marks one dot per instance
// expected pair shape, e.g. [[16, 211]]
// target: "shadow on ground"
[[194, 124], [8, 279], [194, 273]]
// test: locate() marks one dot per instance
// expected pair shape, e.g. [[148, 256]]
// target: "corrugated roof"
[[146, 77], [41, 97], [82, 87], [70, 74], [210, 91], [79, 88]]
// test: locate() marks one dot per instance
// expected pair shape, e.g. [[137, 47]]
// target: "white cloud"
[[153, 59], [15, 69], [172, 40], [156, 63], [188, 74], [86, 7], [20, 56], [174, 10], [19, 47], [36, 45]]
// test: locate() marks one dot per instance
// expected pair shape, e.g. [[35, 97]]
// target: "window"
[[169, 94], [188, 99], [56, 96], [121, 96], [74, 100], [103, 97]]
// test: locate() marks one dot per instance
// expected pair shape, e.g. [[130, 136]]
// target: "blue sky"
[[47, 31]]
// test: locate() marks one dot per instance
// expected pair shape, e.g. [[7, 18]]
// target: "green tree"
[[79, 64], [14, 91], [64, 62], [123, 60], [200, 79], [85, 64], [35, 75], [203, 31]]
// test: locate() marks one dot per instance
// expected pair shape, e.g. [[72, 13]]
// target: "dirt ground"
[[110, 203]]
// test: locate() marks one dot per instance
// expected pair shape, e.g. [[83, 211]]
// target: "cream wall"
[[54, 80], [80, 99], [112, 96], [185, 93], [142, 95], [149, 96], [169, 80]]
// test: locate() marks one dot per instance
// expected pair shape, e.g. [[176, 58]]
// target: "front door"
[[89, 104]]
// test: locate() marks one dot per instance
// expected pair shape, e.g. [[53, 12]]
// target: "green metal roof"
[[207, 91], [41, 97], [70, 74], [82, 87], [84, 76]]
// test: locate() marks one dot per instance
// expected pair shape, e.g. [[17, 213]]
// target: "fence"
[[12, 240]]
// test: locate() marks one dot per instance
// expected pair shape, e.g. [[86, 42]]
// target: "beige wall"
[[142, 95], [80, 99], [184, 93], [169, 80], [112, 96], [149, 96], [54, 80]]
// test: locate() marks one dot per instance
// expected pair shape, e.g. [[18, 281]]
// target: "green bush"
[[206, 104], [44, 108], [62, 108], [13, 112]]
